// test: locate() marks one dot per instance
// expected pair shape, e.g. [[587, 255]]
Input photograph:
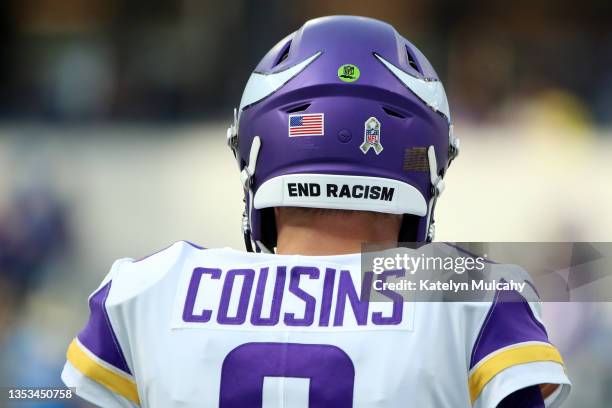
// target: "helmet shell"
[[408, 125]]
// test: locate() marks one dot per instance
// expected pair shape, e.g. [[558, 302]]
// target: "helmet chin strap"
[[246, 231], [437, 186], [246, 177], [437, 182]]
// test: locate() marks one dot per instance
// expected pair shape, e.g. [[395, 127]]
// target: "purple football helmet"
[[344, 113]]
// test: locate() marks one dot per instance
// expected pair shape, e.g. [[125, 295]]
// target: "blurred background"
[[112, 144]]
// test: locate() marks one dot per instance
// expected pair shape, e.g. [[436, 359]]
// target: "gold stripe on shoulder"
[[95, 371], [499, 361]]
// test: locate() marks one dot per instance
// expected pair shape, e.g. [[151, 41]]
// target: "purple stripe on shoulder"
[[98, 335], [196, 246], [510, 320]]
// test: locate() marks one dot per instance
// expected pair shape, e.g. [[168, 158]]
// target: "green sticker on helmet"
[[348, 73]]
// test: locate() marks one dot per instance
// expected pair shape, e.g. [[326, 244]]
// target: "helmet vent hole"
[[284, 54], [393, 113], [299, 108], [412, 61]]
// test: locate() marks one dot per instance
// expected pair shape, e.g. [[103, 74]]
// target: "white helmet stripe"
[[261, 85], [431, 92], [341, 192]]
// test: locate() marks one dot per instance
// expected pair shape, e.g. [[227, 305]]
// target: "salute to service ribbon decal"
[[371, 136]]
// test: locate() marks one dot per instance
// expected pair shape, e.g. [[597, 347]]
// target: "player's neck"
[[333, 235]]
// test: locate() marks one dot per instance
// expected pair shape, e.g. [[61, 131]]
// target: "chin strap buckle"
[[246, 175], [431, 232], [246, 232]]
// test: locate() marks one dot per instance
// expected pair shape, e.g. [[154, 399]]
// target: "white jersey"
[[192, 327]]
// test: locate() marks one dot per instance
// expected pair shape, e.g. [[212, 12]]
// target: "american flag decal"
[[310, 124]]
